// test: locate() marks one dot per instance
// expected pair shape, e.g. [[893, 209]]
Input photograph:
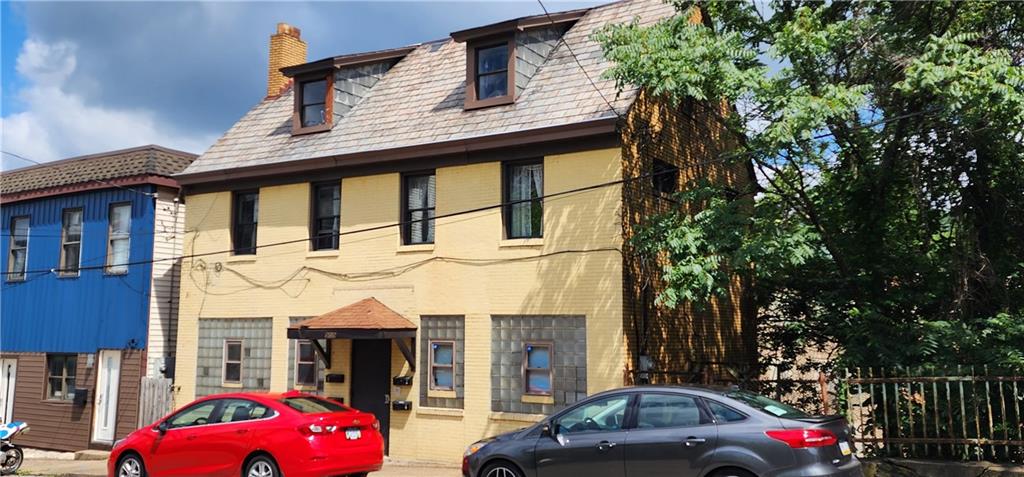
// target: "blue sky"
[[85, 77]]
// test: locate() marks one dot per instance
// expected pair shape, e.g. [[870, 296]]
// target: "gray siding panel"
[[353, 84], [532, 49]]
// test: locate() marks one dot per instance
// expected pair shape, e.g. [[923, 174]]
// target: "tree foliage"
[[887, 139]]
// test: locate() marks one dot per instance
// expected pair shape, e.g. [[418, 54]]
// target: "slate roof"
[[420, 101], [365, 314], [148, 160]]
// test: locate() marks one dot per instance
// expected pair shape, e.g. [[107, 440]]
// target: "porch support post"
[[325, 354], [407, 351]]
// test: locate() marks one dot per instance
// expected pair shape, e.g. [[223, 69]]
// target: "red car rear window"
[[312, 405]]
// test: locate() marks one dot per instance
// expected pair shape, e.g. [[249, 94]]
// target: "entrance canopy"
[[364, 319]]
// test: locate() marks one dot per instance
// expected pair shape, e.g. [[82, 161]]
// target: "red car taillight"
[[317, 430], [801, 438], [376, 425]]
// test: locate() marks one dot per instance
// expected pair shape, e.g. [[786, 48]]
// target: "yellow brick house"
[[452, 258]]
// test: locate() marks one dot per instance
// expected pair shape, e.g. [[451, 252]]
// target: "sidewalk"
[[93, 468]]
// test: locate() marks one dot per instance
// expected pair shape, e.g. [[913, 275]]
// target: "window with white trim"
[[442, 365], [305, 364], [71, 242], [232, 362], [537, 369], [17, 255], [118, 238]]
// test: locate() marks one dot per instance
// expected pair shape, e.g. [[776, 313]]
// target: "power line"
[[561, 39], [146, 194], [400, 223]]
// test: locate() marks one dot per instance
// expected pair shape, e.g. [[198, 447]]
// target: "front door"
[[107, 382], [588, 440], [8, 374], [371, 380]]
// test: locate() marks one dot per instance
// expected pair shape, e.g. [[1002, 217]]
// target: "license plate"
[[844, 447], [353, 434]]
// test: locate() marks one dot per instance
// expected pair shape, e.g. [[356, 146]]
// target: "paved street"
[[52, 467]]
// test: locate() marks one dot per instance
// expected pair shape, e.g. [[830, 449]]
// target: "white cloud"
[[57, 123]]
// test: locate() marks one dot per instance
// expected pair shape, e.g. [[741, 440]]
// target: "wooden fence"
[[963, 413], [156, 399]]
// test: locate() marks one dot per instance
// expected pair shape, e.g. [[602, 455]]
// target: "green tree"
[[887, 139]]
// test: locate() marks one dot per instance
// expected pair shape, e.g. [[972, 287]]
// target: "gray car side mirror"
[[162, 428]]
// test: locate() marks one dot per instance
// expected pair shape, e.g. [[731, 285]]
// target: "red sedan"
[[253, 435]]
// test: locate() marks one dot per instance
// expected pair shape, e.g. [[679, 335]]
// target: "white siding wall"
[[163, 301]]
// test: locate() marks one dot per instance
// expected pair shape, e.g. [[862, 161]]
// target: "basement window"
[[314, 99], [490, 72]]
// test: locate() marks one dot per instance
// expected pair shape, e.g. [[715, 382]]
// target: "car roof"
[[691, 388], [257, 396]]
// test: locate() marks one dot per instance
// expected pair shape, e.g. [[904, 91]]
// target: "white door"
[[8, 374], [107, 382]]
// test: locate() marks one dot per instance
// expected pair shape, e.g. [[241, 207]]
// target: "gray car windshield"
[[768, 405]]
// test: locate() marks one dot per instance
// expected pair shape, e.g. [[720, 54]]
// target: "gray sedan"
[[657, 431]]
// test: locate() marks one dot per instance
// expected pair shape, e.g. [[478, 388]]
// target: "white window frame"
[[550, 345], [64, 241], [13, 275], [118, 268], [226, 361], [298, 361], [433, 365]]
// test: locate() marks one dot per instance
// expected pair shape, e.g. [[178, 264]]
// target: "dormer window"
[[490, 72], [314, 98]]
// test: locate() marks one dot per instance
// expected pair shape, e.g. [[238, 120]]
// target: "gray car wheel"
[[131, 466], [261, 466], [501, 469]]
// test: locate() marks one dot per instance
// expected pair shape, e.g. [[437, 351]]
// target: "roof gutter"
[[594, 127]]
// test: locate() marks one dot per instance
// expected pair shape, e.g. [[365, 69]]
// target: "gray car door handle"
[[693, 441], [604, 446]]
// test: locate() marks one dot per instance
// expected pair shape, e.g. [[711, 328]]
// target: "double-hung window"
[[490, 72], [418, 216], [60, 376], [17, 256], [232, 362], [524, 209], [244, 220], [314, 102], [118, 238], [71, 242], [326, 216], [442, 365], [305, 364], [537, 369]]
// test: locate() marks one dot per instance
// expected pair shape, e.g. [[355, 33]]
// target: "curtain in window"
[[420, 206], [120, 227], [526, 182]]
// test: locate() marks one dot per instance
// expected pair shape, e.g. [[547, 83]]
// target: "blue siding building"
[[83, 315]]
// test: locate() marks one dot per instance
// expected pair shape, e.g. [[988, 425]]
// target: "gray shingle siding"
[[532, 49], [508, 335], [257, 343], [353, 84]]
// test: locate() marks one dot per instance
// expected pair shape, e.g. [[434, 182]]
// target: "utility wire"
[[396, 224], [561, 39]]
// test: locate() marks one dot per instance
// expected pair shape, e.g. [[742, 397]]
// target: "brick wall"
[[685, 344]]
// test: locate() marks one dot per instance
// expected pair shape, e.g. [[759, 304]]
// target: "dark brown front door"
[[371, 380]]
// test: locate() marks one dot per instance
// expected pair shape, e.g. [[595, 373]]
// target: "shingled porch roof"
[[364, 319]]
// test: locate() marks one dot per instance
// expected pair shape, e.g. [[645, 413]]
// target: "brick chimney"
[[286, 49]]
